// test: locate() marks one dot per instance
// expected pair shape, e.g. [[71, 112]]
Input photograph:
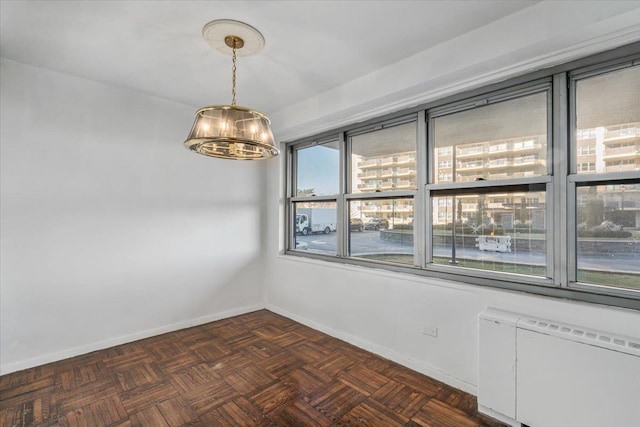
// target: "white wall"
[[111, 230], [386, 312]]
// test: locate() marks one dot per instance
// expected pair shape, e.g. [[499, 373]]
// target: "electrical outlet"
[[430, 330]]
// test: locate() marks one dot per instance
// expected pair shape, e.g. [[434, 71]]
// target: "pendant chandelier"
[[231, 131]]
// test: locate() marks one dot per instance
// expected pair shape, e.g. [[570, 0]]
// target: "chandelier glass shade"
[[231, 131]]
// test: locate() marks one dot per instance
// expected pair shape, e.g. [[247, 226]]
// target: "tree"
[[302, 192], [523, 214], [459, 213], [594, 212], [480, 211]]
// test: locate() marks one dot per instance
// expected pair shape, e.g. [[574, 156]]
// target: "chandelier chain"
[[233, 88]]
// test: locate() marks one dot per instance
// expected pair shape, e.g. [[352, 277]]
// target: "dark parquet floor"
[[257, 369]]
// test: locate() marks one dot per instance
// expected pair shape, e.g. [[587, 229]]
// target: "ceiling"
[[156, 47]]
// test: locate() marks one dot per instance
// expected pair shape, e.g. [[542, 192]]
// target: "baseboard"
[[498, 416], [385, 352], [84, 349]]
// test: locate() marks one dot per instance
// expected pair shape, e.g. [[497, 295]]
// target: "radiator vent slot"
[[599, 338]]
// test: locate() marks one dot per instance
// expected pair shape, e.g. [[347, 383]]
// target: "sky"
[[318, 169]]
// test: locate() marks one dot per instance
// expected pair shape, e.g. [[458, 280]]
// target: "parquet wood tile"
[[371, 413], [280, 364], [401, 398], [335, 400], [302, 414], [258, 369], [362, 379], [436, 413], [238, 412], [274, 397]]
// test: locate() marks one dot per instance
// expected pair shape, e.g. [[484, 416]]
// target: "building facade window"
[[479, 189]]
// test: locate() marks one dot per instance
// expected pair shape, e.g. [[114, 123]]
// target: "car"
[[376, 224], [356, 224]]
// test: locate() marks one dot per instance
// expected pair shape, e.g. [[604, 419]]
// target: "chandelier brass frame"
[[231, 131]]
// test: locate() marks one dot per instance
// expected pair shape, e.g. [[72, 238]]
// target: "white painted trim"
[[498, 416], [100, 345], [385, 352]]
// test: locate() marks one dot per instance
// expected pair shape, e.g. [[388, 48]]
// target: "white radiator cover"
[[544, 373]]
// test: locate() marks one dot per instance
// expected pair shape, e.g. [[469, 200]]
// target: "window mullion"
[[419, 217], [342, 211], [426, 203], [561, 200]]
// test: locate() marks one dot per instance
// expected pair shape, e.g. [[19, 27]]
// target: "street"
[[369, 242]]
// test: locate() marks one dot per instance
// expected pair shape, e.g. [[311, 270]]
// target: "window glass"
[[318, 171], [495, 231], [608, 121], [315, 225], [498, 141], [608, 234], [384, 160], [382, 229]]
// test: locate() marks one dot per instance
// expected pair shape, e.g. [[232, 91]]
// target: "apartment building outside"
[[598, 150]]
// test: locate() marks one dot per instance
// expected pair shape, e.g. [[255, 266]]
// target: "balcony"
[[369, 175], [622, 152], [527, 146], [519, 161], [372, 163], [499, 163], [470, 166], [387, 161], [614, 134], [468, 178], [366, 187], [405, 184], [622, 168], [471, 151], [529, 160], [387, 186], [405, 159]]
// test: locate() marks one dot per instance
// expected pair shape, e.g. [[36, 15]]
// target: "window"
[[382, 230], [500, 140], [491, 231], [383, 163], [531, 186], [316, 185], [607, 206], [384, 160], [485, 218], [587, 167], [587, 150], [317, 170]]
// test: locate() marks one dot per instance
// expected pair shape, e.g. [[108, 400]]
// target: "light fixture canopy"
[[231, 131]]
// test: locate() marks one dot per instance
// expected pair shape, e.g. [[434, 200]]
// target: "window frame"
[[459, 187], [349, 195], [576, 179], [560, 183]]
